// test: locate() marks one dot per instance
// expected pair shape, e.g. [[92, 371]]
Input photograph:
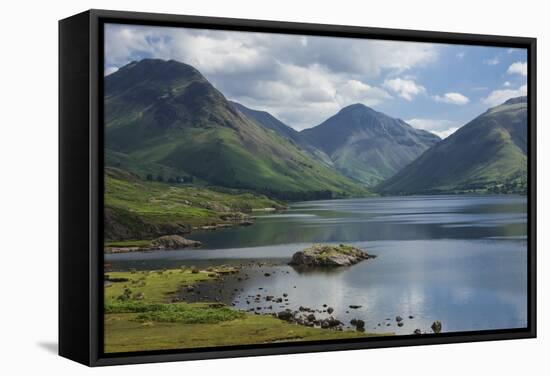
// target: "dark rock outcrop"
[[120, 225], [173, 242], [320, 255], [436, 327]]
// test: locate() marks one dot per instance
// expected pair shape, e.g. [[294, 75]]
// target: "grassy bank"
[[140, 315], [136, 209]]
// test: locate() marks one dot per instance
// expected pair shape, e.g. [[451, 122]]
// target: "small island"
[[323, 255]]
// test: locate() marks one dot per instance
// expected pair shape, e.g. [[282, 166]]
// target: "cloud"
[[211, 50], [518, 68], [300, 79], [507, 84], [500, 96], [303, 97], [405, 88], [367, 57], [493, 61], [354, 91], [452, 98], [109, 70], [446, 133], [442, 128], [461, 55]]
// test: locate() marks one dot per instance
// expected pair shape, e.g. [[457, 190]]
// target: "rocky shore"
[[321, 255], [176, 240], [166, 242], [229, 289]]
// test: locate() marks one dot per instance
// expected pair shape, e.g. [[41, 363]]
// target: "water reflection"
[[461, 260]]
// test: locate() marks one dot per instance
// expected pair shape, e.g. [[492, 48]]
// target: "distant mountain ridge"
[[367, 145], [487, 154], [268, 121], [163, 118], [166, 114], [265, 119]]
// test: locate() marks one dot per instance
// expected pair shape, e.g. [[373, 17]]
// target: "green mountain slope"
[[268, 121], [167, 114], [367, 145], [137, 210], [486, 155]]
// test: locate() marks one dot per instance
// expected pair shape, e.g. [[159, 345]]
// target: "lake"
[[461, 260]]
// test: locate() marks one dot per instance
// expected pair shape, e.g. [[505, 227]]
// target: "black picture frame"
[[81, 185]]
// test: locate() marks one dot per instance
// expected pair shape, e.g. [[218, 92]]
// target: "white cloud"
[[493, 61], [405, 88], [442, 128], [446, 133], [500, 96], [301, 79], [303, 97], [461, 55], [109, 70], [354, 91], [507, 84], [518, 68], [452, 98]]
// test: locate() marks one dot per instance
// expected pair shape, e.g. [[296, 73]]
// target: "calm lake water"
[[458, 259]]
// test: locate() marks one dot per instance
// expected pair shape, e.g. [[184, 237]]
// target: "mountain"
[[268, 121], [486, 155], [367, 145], [166, 115]]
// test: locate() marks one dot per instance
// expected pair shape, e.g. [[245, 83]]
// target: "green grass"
[[142, 210], [325, 251], [128, 243], [176, 312], [156, 286], [143, 319], [123, 333]]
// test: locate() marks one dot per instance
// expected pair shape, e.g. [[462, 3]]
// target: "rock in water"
[[436, 327], [329, 256], [173, 242]]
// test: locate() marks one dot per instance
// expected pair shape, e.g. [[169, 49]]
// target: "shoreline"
[[148, 301], [145, 245]]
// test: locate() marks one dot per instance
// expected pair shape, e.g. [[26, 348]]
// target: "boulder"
[[285, 315], [320, 255], [436, 327], [173, 242]]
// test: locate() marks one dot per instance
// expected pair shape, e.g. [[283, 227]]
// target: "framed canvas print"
[[237, 187]]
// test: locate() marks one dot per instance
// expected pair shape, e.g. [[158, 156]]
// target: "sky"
[[303, 80]]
